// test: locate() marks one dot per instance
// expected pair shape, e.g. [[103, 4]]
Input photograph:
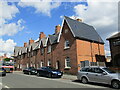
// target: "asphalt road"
[[18, 80]]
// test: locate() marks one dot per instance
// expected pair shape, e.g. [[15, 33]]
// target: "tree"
[[8, 59]]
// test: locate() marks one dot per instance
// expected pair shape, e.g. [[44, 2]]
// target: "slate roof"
[[83, 31], [16, 50], [43, 40], [33, 46], [53, 38], [114, 36]]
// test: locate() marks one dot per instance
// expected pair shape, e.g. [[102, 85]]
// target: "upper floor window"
[[67, 44], [49, 48], [49, 62], [116, 43], [28, 54], [67, 62], [42, 51]]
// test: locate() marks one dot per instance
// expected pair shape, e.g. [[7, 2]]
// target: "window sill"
[[48, 52], [67, 67], [66, 48]]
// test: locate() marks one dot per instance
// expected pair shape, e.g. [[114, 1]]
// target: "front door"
[[58, 65]]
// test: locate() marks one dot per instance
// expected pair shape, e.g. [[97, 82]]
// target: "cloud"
[[11, 28], [43, 7], [8, 12], [7, 46], [102, 15]]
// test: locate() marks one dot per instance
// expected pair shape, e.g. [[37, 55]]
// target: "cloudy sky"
[[22, 20]]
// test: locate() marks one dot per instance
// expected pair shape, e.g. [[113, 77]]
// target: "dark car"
[[49, 72], [30, 71], [2, 72]]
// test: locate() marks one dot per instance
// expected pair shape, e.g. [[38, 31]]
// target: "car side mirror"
[[104, 73]]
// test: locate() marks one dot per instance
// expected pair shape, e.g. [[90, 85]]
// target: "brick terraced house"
[[72, 43]]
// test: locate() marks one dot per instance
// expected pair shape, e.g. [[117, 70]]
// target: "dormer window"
[[49, 48], [67, 44]]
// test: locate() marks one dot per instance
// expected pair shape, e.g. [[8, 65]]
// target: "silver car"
[[99, 75]]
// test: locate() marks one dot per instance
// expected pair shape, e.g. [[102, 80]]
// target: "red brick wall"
[[87, 50]]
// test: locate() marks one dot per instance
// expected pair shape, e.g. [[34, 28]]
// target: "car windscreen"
[[108, 70]]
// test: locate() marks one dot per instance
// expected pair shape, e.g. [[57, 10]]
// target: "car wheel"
[[50, 75], [115, 84], [84, 80]]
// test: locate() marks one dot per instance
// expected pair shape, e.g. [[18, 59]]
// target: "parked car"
[[49, 72], [2, 72], [99, 75], [30, 71]]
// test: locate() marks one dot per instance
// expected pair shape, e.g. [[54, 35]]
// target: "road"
[[19, 80]]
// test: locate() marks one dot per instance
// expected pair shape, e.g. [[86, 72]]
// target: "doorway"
[[58, 65]]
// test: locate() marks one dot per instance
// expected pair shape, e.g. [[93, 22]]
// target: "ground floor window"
[[67, 62], [41, 63], [49, 62]]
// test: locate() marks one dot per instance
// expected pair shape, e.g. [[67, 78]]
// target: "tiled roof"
[[83, 31]]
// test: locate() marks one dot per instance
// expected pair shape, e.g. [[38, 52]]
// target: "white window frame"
[[65, 44], [41, 64], [49, 62], [66, 62]]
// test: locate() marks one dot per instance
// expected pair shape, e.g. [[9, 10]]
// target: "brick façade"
[[80, 50]]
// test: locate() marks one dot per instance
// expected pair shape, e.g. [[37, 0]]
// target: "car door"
[[90, 74], [100, 77]]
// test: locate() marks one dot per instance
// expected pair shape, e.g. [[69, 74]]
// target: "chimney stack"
[[31, 41], [42, 35], [80, 20], [57, 29], [25, 44]]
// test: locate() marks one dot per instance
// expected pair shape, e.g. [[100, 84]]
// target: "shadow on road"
[[96, 84]]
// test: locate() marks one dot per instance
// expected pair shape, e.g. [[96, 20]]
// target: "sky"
[[23, 19]]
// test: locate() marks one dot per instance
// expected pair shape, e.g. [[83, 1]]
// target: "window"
[[116, 43], [67, 62], [49, 62], [41, 63], [49, 48], [66, 30], [67, 44], [31, 53], [42, 51]]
